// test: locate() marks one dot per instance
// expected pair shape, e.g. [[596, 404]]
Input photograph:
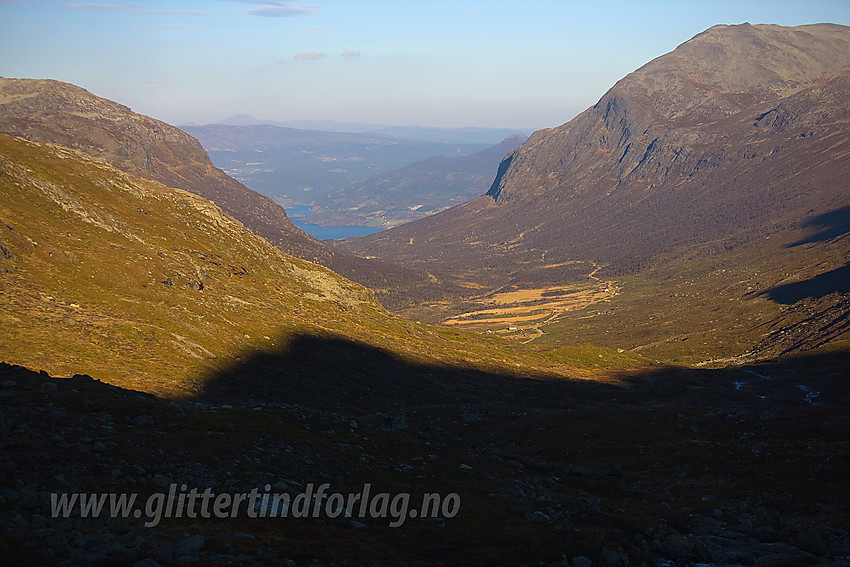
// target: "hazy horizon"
[[438, 63]]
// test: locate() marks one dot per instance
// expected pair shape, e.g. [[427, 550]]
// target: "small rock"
[[61, 479], [29, 498], [537, 516], [10, 494], [160, 481], [614, 559], [190, 544], [38, 521]]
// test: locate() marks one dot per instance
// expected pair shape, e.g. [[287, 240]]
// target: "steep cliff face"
[[738, 133], [663, 112]]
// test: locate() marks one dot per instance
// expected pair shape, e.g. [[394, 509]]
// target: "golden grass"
[[529, 308]]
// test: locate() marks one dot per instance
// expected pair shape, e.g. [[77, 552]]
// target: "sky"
[[524, 64]]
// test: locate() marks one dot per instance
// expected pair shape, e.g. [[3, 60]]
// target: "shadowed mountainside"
[[736, 134], [692, 466], [832, 225], [833, 281], [727, 156]]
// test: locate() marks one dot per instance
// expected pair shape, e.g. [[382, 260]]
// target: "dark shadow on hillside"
[[334, 374], [834, 281], [613, 464], [832, 225]]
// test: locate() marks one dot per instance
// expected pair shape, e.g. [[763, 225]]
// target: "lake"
[[300, 213]]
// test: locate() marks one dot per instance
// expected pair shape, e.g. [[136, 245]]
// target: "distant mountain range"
[[353, 178], [296, 166], [464, 135], [414, 191]]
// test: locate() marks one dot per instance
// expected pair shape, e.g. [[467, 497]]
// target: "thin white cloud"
[[312, 30], [154, 83], [179, 27], [282, 11], [278, 8], [135, 9], [349, 53], [310, 56]]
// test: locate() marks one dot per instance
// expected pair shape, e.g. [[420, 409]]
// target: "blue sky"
[[520, 64]]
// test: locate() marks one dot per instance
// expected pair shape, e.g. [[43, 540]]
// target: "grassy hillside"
[[152, 287]]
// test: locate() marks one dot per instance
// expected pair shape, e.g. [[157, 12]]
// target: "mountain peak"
[[727, 68]]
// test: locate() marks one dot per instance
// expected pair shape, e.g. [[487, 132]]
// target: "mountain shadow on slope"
[[646, 470], [334, 373], [833, 281], [833, 224]]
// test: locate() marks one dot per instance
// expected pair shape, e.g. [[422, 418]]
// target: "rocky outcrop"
[[662, 112]]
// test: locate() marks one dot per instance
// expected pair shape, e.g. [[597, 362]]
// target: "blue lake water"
[[300, 213]]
